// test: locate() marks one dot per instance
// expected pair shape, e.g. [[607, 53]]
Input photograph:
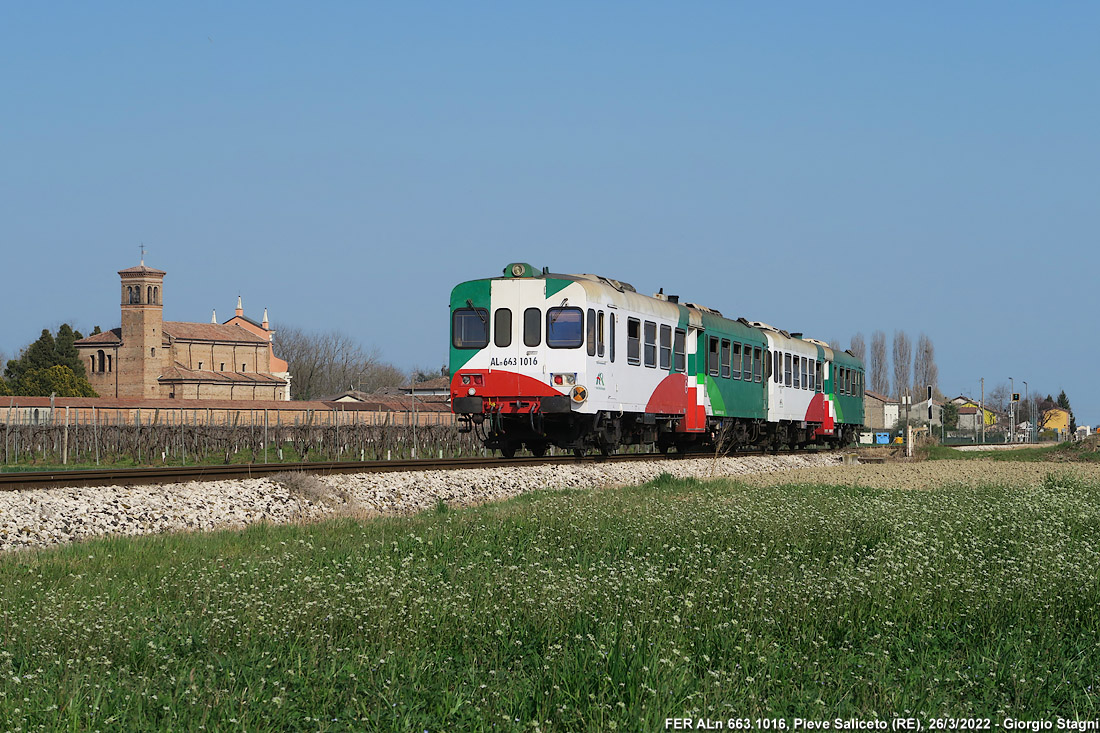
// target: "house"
[[879, 412], [1056, 419]]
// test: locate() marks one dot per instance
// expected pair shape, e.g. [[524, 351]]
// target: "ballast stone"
[[46, 517]]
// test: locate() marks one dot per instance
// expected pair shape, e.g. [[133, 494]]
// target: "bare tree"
[[326, 363], [880, 373], [997, 398], [925, 371], [858, 347], [903, 360]]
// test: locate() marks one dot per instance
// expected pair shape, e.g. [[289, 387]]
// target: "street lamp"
[[1011, 410]]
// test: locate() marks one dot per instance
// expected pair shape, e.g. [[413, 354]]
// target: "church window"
[[153, 351], [110, 363], [200, 366], [242, 367], [149, 294], [102, 360], [156, 295], [222, 367]]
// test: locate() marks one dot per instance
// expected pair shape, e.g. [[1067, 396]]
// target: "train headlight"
[[471, 391], [465, 378], [578, 394], [564, 380]]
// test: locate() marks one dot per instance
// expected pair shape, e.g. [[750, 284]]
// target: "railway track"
[[180, 474]]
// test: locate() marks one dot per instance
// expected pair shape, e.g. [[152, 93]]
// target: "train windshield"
[[564, 328], [470, 328]]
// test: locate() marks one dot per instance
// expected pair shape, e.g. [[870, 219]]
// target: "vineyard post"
[[265, 435], [7, 428], [95, 434], [65, 440]]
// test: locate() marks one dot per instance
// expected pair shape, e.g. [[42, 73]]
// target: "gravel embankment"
[[54, 516]]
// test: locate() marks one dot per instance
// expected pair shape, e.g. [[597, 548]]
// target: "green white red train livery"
[[584, 362]]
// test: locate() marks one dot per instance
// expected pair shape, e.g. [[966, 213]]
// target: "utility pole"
[[981, 406], [1030, 424]]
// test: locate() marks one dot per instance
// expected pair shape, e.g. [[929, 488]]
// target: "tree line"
[[905, 367], [50, 365]]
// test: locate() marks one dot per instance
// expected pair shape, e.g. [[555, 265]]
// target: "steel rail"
[[21, 481]]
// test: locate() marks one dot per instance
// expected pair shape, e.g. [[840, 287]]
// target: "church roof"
[[141, 270], [179, 374], [114, 336], [183, 331]]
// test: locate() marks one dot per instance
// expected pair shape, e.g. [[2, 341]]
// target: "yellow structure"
[[1056, 419]]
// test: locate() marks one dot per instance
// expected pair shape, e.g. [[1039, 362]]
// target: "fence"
[[178, 437]]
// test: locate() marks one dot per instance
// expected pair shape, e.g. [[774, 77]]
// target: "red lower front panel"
[[504, 392]]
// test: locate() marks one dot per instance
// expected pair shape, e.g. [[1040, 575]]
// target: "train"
[[586, 363]]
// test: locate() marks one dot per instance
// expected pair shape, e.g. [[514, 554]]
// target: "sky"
[[829, 168]]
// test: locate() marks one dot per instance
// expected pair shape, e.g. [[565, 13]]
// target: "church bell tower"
[[141, 356]]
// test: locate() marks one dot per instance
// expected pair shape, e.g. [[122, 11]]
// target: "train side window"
[[736, 360], [650, 344], [817, 375], [746, 362], [633, 341], [599, 335], [666, 347], [725, 358], [777, 367], [787, 375], [532, 327], [469, 328], [564, 328], [757, 367], [712, 356], [611, 337], [797, 382], [679, 361], [810, 373], [591, 335], [502, 327]]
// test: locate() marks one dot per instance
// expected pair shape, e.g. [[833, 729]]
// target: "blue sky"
[[830, 168]]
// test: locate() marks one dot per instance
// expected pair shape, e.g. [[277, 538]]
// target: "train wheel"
[[508, 450], [538, 450], [579, 452]]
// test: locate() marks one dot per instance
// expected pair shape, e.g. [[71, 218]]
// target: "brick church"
[[150, 358]]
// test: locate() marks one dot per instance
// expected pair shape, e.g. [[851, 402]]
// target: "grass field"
[[564, 611]]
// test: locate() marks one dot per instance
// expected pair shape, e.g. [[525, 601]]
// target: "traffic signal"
[[1015, 396]]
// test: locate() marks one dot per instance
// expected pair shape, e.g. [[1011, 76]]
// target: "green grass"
[[570, 611], [1087, 451]]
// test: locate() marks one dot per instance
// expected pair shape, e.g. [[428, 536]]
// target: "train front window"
[[502, 327], [532, 327], [564, 328], [470, 328]]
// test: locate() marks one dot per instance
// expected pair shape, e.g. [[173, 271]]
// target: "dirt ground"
[[928, 474]]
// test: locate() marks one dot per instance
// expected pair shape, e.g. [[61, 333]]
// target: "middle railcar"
[[585, 362]]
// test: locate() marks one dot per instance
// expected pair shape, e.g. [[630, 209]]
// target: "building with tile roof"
[[150, 358]]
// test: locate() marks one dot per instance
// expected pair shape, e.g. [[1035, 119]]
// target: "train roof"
[[699, 315]]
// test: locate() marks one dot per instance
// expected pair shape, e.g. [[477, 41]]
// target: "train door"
[[517, 335]]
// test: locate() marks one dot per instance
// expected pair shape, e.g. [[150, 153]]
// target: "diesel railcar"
[[585, 362]]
